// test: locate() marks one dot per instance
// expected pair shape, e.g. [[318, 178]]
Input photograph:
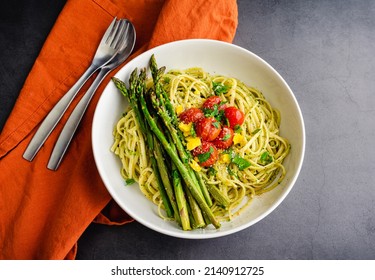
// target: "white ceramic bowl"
[[214, 57]]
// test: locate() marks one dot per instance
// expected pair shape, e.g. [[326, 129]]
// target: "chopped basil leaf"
[[226, 121], [192, 131], [216, 124], [226, 137], [219, 88], [211, 112], [237, 128], [222, 102], [266, 158], [214, 112], [212, 171], [205, 156], [241, 162], [220, 115], [208, 112], [129, 181]]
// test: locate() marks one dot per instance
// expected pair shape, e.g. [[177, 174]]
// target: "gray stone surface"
[[325, 51]]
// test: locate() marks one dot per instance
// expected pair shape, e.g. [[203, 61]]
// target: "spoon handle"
[[55, 115], [73, 121]]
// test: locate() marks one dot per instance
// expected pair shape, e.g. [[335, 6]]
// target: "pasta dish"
[[230, 134]]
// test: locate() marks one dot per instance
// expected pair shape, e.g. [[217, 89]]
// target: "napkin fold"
[[43, 213]]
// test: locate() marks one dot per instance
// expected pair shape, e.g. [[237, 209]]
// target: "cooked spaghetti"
[[257, 141]]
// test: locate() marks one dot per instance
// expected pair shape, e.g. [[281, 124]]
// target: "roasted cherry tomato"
[[191, 115], [225, 138], [213, 100], [234, 116], [208, 128], [207, 154]]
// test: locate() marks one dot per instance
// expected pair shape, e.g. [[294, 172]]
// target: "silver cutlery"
[[107, 49], [72, 123]]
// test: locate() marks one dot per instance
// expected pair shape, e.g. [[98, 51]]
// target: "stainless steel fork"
[[107, 49], [71, 125]]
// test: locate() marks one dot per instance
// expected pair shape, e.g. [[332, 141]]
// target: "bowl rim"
[[217, 233]]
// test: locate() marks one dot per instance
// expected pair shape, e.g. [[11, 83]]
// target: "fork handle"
[[73, 121], [53, 117]]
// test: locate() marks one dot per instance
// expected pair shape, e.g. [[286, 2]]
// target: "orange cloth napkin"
[[43, 213]]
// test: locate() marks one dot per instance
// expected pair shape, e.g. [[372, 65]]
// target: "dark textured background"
[[325, 51]]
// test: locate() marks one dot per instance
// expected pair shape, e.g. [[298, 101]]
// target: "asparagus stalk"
[[163, 194], [166, 110], [203, 187], [166, 181], [159, 105], [180, 194], [157, 151], [156, 75], [130, 95], [196, 212], [180, 198]]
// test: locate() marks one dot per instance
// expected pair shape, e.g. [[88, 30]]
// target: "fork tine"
[[111, 31], [119, 35], [122, 39]]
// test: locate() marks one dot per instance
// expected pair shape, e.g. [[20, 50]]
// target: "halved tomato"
[[234, 115], [210, 102], [206, 153], [208, 128], [191, 115], [225, 139]]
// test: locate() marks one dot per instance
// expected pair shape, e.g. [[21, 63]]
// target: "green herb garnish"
[[129, 181], [205, 156], [219, 88], [241, 162], [212, 171], [214, 112], [216, 124], [237, 128], [266, 158], [226, 137], [192, 131]]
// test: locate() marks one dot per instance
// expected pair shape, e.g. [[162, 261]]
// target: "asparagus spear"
[[180, 194], [196, 212], [166, 110], [180, 198], [166, 181], [203, 188], [130, 95]]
